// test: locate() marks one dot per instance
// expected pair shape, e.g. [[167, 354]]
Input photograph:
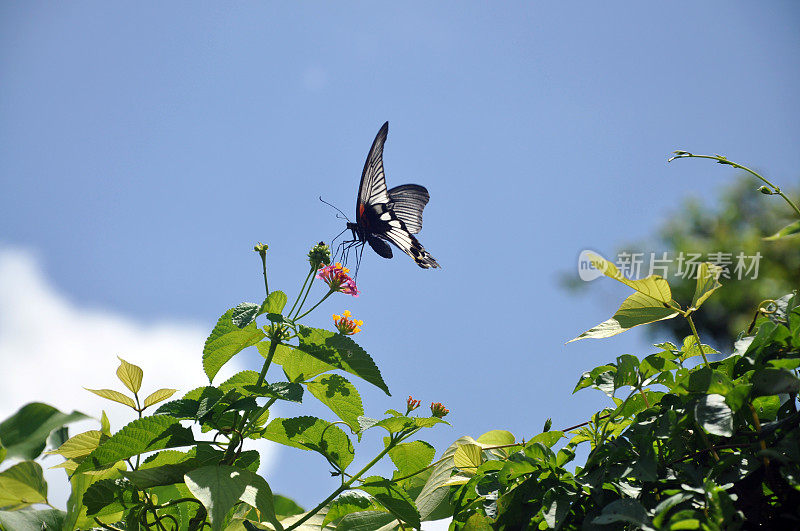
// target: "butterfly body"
[[392, 215]]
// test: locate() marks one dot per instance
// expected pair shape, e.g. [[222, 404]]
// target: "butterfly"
[[393, 215]]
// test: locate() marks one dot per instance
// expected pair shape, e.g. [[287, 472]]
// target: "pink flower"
[[337, 279]]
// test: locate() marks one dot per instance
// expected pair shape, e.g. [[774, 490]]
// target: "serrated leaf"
[[341, 352], [22, 485], [638, 309], [180, 409], [311, 433], [130, 375], [274, 303], [707, 283], [221, 487], [26, 520], [340, 396], [298, 366], [80, 445], [244, 314], [116, 396], [25, 433], [142, 435], [412, 456], [788, 230], [367, 521], [714, 415], [109, 496], [158, 396], [393, 498], [227, 340]]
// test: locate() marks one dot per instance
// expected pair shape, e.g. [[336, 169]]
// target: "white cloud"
[[50, 349]]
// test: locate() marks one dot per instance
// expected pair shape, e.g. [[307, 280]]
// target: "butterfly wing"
[[406, 242], [372, 190], [407, 201]]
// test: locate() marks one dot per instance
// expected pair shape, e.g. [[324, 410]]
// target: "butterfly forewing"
[[372, 190]]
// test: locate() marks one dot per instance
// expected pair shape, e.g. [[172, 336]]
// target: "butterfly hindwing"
[[407, 201]]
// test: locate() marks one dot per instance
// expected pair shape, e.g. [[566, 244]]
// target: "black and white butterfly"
[[393, 215]]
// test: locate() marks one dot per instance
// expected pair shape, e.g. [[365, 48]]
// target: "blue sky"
[[145, 148]]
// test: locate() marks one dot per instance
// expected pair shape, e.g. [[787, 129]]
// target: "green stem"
[[697, 338], [723, 160], [346, 485], [264, 267], [317, 304], [301, 291], [306, 295]]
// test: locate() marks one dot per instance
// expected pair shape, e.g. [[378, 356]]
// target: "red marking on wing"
[[361, 208]]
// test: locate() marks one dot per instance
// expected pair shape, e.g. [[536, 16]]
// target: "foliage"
[[184, 466], [684, 444]]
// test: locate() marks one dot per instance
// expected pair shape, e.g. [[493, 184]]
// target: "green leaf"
[[32, 520], [3, 452], [366, 521], [348, 503], [80, 445], [311, 433], [298, 366], [412, 456], [653, 287], [497, 438], [227, 340], [285, 506], [116, 396], [130, 375], [142, 435], [180, 409], [624, 510], [707, 283], [638, 309], [244, 314], [433, 501], [76, 511], [468, 458], [341, 352], [25, 433], [275, 303], [775, 381], [109, 496], [220, 487], [393, 498], [714, 415], [788, 230], [158, 396], [340, 396], [22, 485]]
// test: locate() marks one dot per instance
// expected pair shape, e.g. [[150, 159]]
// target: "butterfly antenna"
[[332, 206]]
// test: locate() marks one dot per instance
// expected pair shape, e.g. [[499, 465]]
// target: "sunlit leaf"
[[80, 445], [638, 309], [158, 396], [32, 520], [788, 230], [654, 286], [275, 303], [410, 457], [116, 396], [393, 498], [130, 375], [714, 415], [142, 435], [340, 396], [707, 283], [22, 485], [310, 433]]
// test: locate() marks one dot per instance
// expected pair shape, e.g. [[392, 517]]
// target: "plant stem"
[[697, 338], [264, 267], [317, 304], [301, 291], [723, 160], [346, 485], [306, 296]]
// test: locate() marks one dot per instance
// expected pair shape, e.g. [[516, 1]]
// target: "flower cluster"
[[337, 278], [412, 404], [438, 410], [319, 255], [346, 325]]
